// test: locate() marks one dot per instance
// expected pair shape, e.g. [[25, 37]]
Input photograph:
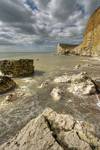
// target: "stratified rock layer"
[[17, 68], [6, 84], [52, 131], [91, 42]]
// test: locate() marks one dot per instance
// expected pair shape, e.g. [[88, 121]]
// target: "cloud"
[[44, 22]]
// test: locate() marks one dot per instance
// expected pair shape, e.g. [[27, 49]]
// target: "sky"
[[38, 25]]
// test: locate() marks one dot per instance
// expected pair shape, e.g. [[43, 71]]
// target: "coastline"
[[33, 99]]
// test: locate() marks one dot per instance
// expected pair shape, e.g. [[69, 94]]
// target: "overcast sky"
[[41, 24]]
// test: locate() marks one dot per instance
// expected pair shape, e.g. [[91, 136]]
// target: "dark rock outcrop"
[[17, 68], [91, 41], [52, 131], [6, 84]]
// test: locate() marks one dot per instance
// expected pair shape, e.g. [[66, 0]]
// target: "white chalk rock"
[[62, 79], [56, 94]]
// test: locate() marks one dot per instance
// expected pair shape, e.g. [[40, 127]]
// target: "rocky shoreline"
[[18, 106], [53, 131], [72, 97]]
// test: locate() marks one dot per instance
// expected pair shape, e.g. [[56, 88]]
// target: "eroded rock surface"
[[53, 131], [17, 68], [56, 94], [78, 84], [6, 84]]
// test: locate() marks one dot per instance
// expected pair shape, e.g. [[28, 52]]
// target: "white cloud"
[[44, 21]]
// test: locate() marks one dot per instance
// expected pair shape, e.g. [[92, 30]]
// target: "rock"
[[65, 49], [11, 97], [77, 67], [44, 84], [17, 68], [97, 83], [36, 135], [53, 131], [86, 132], [37, 59], [78, 84], [84, 88], [1, 74], [91, 42], [59, 121], [6, 84], [82, 84], [72, 141], [62, 79], [56, 94]]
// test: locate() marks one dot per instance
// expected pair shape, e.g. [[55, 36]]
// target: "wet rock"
[[62, 79], [1, 74], [59, 121], [44, 84], [78, 84], [72, 140], [11, 97], [84, 88], [97, 82], [6, 84], [56, 94], [53, 131], [37, 59], [17, 68], [82, 84], [36, 135], [77, 66], [86, 132]]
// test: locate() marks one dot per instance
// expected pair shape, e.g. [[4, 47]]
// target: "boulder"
[[91, 40], [17, 68], [56, 94], [62, 79], [82, 84], [6, 84], [11, 97], [78, 84], [77, 67], [44, 84], [53, 131]]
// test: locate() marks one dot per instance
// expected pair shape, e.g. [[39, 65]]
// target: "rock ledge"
[[53, 131]]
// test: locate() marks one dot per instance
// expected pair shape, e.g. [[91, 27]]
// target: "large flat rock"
[[53, 131]]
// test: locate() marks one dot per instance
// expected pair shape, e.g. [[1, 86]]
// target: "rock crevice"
[[53, 131]]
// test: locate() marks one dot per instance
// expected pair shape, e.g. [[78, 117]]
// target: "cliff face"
[[91, 42]]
